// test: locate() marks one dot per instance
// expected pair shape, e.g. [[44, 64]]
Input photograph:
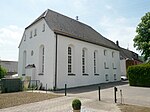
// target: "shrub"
[[139, 75], [3, 72], [76, 104]]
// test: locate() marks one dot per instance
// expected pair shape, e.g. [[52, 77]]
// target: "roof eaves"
[[43, 15], [75, 37], [21, 39]]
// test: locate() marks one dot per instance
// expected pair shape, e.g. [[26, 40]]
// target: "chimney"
[[117, 43], [77, 18]]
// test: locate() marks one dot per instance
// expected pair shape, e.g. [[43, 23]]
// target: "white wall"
[[123, 67], [79, 79], [46, 38]]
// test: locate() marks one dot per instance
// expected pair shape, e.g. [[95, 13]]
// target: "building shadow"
[[90, 88]]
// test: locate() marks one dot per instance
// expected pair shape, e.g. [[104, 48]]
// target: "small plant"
[[76, 104]]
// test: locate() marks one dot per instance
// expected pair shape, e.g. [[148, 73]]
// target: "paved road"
[[63, 104], [130, 94], [89, 99]]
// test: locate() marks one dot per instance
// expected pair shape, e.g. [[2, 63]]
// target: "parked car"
[[123, 77]]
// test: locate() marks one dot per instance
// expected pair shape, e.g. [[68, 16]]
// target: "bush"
[[3, 72], [11, 85], [139, 75], [76, 104]]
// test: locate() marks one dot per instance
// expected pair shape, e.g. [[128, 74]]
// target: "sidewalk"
[[63, 104]]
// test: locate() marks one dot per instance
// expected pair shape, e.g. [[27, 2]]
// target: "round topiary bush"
[[76, 104]]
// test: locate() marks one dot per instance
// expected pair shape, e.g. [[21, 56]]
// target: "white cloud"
[[119, 29], [10, 37]]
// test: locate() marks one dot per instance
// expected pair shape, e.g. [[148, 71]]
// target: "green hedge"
[[139, 75], [11, 85]]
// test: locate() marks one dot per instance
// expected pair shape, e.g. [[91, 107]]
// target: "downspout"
[[55, 86]]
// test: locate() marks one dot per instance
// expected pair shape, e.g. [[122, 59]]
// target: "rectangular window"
[[115, 77], [31, 34], [24, 37], [35, 32], [43, 28], [112, 54], [113, 65], [106, 77], [105, 51], [105, 66]]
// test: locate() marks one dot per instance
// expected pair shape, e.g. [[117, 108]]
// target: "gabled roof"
[[74, 29], [127, 54]]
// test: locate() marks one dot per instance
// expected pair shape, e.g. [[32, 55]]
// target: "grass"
[[14, 99], [133, 108]]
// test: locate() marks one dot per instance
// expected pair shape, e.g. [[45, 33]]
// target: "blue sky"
[[114, 19]]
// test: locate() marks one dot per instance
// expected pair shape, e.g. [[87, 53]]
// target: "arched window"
[[41, 59], [84, 61], [69, 60], [105, 52], [95, 62], [113, 53], [24, 63]]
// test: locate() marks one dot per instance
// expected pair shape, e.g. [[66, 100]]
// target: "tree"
[[3, 72], [142, 39]]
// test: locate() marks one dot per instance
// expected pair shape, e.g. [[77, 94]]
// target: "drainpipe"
[[55, 86]]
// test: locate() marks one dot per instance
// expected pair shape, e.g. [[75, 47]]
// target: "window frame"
[[69, 60], [35, 32], [115, 77], [41, 60], [113, 53], [105, 52], [105, 65], [30, 34], [106, 77], [43, 28], [95, 63], [25, 37], [84, 62]]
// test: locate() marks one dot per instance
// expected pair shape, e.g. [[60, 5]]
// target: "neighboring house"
[[127, 58], [10, 66], [58, 50]]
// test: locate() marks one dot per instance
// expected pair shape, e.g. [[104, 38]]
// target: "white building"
[[58, 50], [10, 66]]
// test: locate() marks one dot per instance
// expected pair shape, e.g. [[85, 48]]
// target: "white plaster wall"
[[79, 79], [123, 67], [46, 38]]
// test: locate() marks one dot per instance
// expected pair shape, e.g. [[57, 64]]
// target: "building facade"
[[127, 58], [58, 50], [10, 66]]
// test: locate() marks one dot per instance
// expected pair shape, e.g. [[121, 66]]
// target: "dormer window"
[[43, 28], [31, 34], [35, 32]]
